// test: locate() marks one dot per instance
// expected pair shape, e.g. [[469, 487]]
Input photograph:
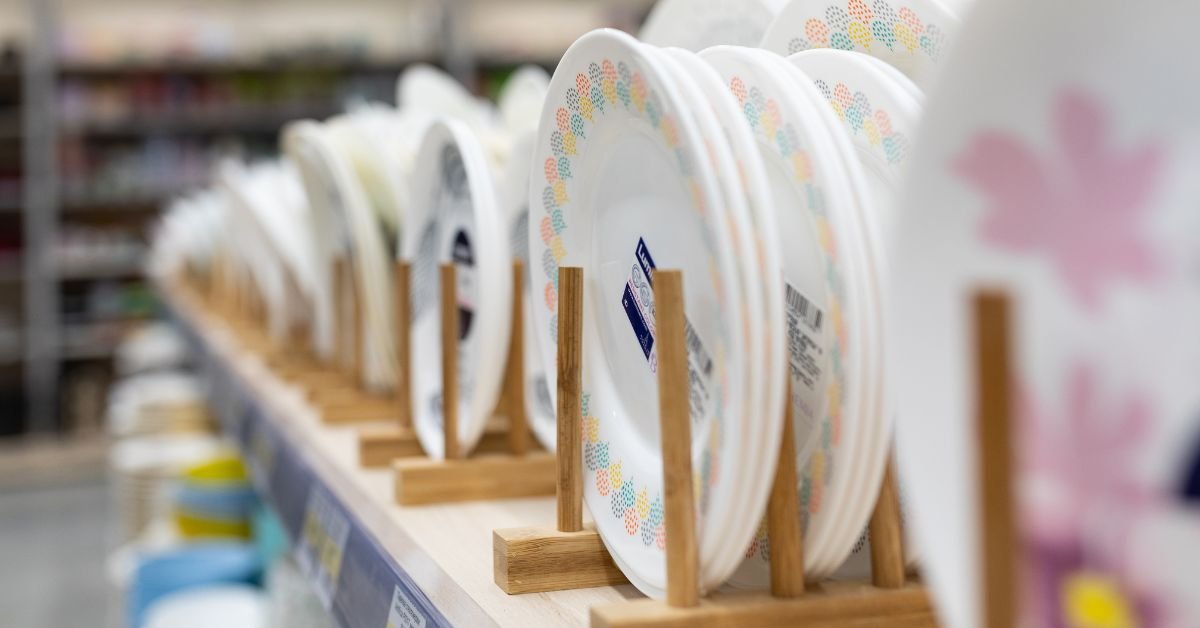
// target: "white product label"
[[806, 350], [403, 613], [262, 458], [637, 300], [322, 544]]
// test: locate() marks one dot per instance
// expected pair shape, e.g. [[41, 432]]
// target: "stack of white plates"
[[269, 206], [153, 346], [770, 182], [342, 222], [157, 403], [470, 208], [142, 468]]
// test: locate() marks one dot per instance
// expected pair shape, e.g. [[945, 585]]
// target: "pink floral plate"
[[1062, 173]]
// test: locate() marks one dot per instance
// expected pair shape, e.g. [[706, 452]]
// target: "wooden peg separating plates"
[[514, 370], [402, 309], [783, 513], [448, 293], [358, 354], [569, 555], [456, 477], [337, 290], [789, 604], [994, 433], [570, 399], [378, 447], [679, 505], [887, 537]]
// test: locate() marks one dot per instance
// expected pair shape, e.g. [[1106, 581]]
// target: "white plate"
[[367, 136], [427, 90], [514, 206], [251, 235], [763, 443], [304, 145], [824, 269], [623, 186], [699, 24], [1062, 172], [740, 525], [911, 35], [344, 222], [456, 219], [520, 100], [880, 118]]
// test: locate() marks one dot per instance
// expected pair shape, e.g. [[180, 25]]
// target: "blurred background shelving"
[[109, 110]]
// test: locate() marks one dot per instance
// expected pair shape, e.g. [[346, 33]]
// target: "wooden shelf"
[[264, 120], [102, 271], [293, 63], [439, 558]]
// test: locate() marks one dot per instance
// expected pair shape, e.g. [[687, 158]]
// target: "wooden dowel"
[[683, 565], [997, 520], [358, 354], [514, 372], [450, 324], [401, 299], [783, 514], [337, 289], [887, 539], [570, 409]]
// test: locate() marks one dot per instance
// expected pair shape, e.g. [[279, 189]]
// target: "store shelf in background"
[[93, 341], [124, 202], [290, 64], [101, 271], [11, 345], [268, 120]]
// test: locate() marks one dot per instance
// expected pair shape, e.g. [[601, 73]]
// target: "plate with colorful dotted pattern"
[[622, 185], [911, 35]]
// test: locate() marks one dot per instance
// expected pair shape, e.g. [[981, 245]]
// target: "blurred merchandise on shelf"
[[233, 606], [190, 567], [142, 469], [245, 98], [214, 499], [229, 30], [157, 403], [291, 602], [143, 172], [84, 398], [83, 251], [152, 347]]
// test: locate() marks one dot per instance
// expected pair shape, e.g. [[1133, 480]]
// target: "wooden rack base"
[[378, 446], [503, 465], [829, 605], [570, 555], [539, 559]]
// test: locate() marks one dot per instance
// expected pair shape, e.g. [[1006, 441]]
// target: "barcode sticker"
[[806, 355], [804, 309]]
